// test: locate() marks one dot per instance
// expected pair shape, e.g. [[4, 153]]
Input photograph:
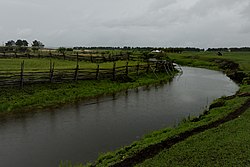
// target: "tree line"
[[21, 45]]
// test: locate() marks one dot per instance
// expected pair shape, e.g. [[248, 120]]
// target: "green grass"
[[206, 59], [44, 64], [226, 145], [44, 95]]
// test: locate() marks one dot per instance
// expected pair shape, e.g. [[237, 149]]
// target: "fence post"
[[21, 74], [76, 72], [138, 68], [148, 68], [169, 69], [114, 72], [64, 56], [91, 58], [50, 54], [156, 66], [15, 54], [52, 66], [110, 55], [172, 66], [77, 59], [97, 72], [126, 69]]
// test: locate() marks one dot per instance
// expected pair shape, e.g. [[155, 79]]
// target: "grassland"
[[44, 64], [226, 145], [37, 96], [207, 59]]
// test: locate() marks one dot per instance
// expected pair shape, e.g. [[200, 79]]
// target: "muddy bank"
[[232, 70]]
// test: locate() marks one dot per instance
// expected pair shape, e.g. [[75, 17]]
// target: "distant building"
[[156, 51]]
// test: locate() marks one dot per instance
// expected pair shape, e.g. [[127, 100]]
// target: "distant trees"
[[21, 45], [61, 50], [10, 43], [36, 45], [18, 46], [241, 49]]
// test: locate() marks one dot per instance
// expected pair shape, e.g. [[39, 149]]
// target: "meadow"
[[44, 64]]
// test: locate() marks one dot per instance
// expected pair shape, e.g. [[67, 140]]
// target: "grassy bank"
[[226, 145], [158, 137], [14, 100]]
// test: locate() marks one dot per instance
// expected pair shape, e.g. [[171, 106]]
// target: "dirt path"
[[153, 150]]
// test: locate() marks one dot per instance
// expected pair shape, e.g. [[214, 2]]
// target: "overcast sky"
[[164, 23]]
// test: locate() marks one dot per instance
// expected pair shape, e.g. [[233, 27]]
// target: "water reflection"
[[79, 132]]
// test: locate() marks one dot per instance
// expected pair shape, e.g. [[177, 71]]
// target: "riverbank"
[[219, 110], [38, 96], [225, 145]]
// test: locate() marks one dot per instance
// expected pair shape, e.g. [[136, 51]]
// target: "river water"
[[79, 132]]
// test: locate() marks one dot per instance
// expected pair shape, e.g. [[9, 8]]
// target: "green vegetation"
[[44, 95], [208, 59], [226, 145], [44, 64]]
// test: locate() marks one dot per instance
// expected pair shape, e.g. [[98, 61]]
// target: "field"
[[226, 144], [207, 59], [44, 64]]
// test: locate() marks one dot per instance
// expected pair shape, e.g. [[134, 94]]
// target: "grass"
[[206, 59], [44, 95], [226, 145], [44, 64]]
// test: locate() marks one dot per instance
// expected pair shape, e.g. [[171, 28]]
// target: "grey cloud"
[[127, 22]]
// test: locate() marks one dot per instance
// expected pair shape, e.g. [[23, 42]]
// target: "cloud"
[[137, 23], [24, 32]]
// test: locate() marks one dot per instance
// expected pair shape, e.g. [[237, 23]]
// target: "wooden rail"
[[32, 76], [98, 58]]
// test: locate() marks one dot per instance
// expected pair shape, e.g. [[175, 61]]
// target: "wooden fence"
[[99, 58], [31, 76]]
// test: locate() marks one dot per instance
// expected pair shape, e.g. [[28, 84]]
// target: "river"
[[79, 132]]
